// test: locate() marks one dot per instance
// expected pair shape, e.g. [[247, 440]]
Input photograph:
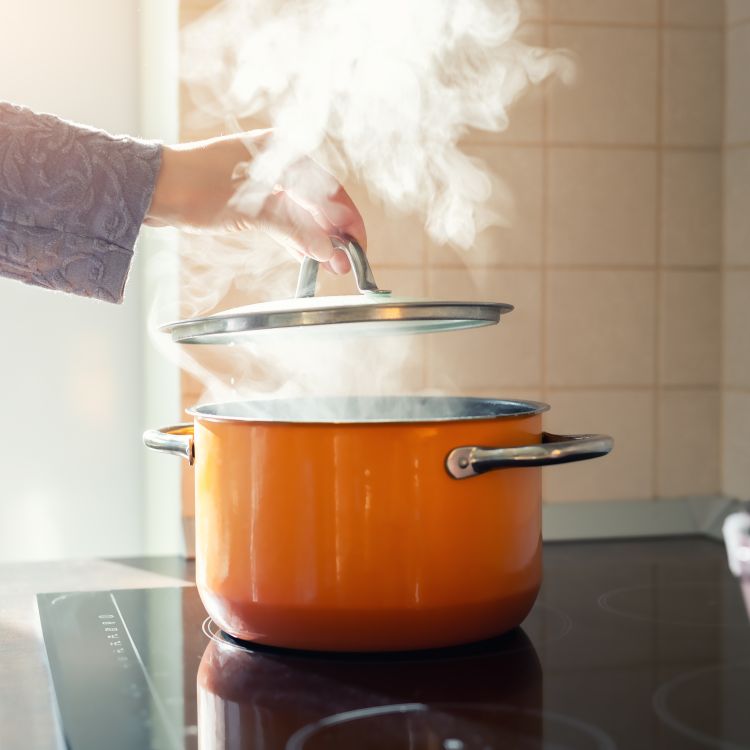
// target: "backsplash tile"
[[737, 11], [604, 11], [690, 328], [736, 199], [600, 328], [526, 115], [693, 85], [737, 330], [735, 464], [393, 239], [614, 97], [701, 13], [738, 84], [688, 437], [628, 472], [601, 207], [517, 238], [735, 468], [496, 356], [532, 10], [691, 205]]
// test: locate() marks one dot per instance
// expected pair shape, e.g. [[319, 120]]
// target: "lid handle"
[[308, 272]]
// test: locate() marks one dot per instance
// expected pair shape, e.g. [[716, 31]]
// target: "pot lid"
[[372, 311]]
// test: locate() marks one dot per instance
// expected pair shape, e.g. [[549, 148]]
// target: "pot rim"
[[311, 410]]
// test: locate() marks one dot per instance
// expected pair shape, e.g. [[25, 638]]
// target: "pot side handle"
[[468, 461], [177, 439]]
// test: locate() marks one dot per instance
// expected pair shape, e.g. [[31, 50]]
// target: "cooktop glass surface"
[[630, 645]]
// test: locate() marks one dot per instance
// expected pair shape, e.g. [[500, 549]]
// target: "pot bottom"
[[376, 629]]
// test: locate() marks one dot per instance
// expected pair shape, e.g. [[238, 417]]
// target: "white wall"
[[159, 272], [71, 392]]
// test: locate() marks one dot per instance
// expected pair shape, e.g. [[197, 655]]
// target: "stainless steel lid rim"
[[379, 304], [460, 313]]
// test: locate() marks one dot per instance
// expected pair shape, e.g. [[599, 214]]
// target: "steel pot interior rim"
[[367, 410]]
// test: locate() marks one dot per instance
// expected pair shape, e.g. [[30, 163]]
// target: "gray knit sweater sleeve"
[[72, 200]]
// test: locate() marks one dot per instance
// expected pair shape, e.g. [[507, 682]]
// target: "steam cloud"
[[379, 91]]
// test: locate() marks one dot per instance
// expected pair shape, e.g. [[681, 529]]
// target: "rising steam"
[[381, 89], [378, 91]]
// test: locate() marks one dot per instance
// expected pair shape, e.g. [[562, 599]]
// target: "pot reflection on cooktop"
[[483, 695]]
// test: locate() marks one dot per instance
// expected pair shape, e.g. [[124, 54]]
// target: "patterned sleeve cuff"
[[64, 262], [72, 201]]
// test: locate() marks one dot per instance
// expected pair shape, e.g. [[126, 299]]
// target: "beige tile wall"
[[737, 11], [613, 256], [629, 248], [735, 465]]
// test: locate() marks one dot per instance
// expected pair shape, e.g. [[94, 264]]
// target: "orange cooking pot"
[[369, 524]]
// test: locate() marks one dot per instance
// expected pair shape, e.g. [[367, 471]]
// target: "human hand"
[[205, 186]]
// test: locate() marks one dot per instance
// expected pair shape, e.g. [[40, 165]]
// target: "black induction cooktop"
[[639, 644]]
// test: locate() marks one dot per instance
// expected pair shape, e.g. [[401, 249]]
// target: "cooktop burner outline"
[[696, 604], [666, 714], [564, 620], [603, 741]]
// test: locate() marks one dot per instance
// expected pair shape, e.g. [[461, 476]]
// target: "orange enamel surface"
[[354, 537]]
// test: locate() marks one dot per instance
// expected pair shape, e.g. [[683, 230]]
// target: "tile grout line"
[[554, 390], [489, 142], [572, 268], [543, 279], [722, 257], [637, 25], [637, 388], [657, 426]]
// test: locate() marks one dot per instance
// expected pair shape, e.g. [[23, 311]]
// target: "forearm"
[[196, 182], [209, 186], [72, 200]]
